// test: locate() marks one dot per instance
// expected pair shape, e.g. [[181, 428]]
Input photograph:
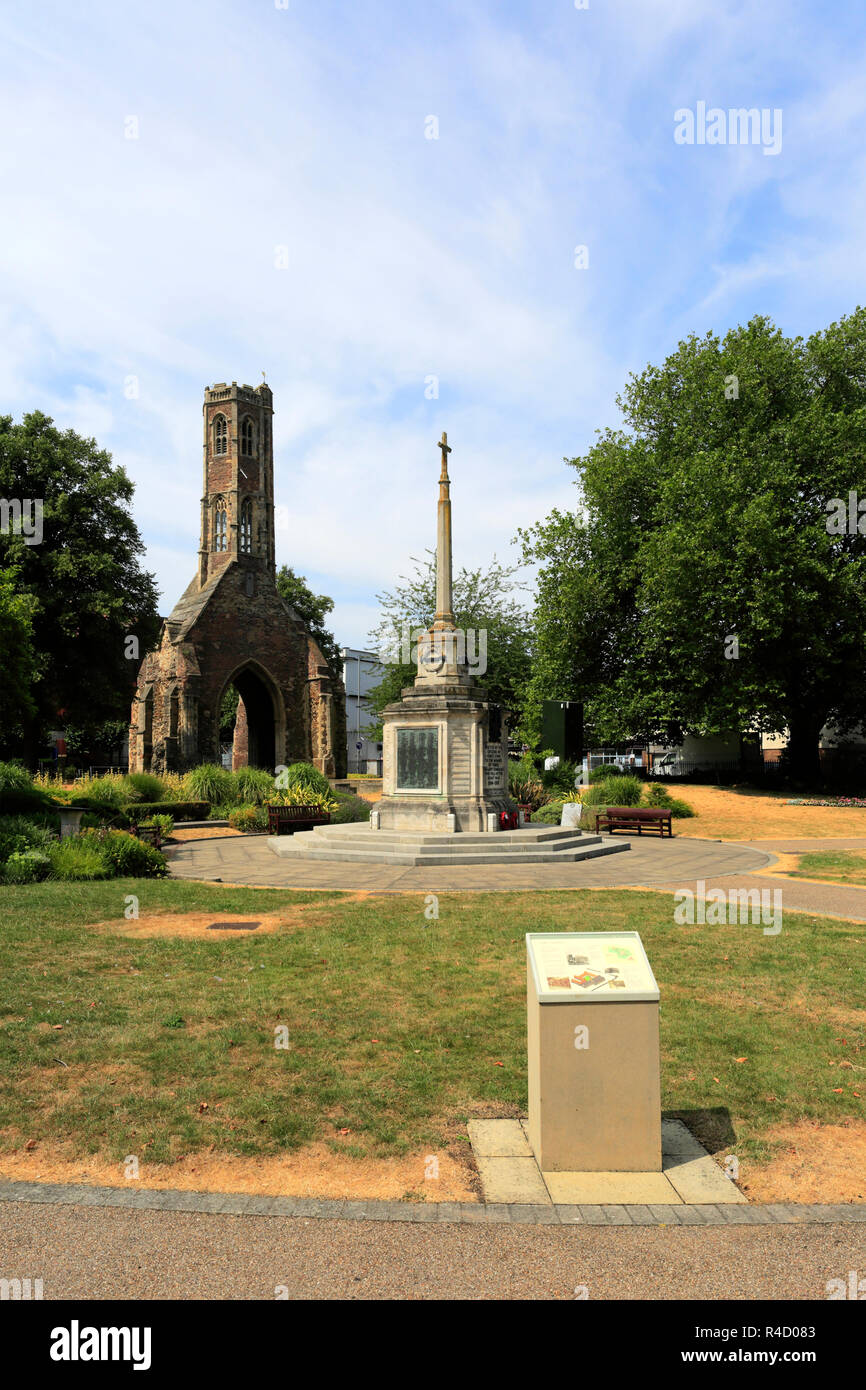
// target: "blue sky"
[[408, 257]]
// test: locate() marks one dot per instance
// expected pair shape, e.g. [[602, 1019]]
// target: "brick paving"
[[658, 864], [324, 1209]]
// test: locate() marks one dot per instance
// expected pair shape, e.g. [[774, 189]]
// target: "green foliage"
[[706, 519], [549, 814], [110, 792], [164, 824], [254, 786], [210, 782], [19, 834], [143, 786], [657, 795], [26, 866], [20, 667], [251, 819], [18, 791], [601, 773], [307, 776], [350, 809], [483, 599], [175, 810], [313, 609], [79, 857], [525, 784], [614, 791], [126, 856], [83, 587], [562, 777]]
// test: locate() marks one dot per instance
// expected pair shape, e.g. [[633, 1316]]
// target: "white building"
[[361, 671]]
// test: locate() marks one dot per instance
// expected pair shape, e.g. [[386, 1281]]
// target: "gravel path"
[[87, 1252]]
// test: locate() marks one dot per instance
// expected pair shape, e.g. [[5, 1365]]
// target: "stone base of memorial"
[[442, 769]]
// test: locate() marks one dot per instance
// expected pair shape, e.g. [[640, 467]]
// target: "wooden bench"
[[655, 820], [292, 818], [151, 834]]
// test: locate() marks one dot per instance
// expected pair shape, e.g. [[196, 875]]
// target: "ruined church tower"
[[232, 628]]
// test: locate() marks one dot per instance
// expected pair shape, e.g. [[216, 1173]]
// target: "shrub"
[[164, 824], [79, 857], [304, 796], [19, 834], [306, 776], [18, 793], [525, 785], [657, 795], [601, 773], [128, 857], [549, 814], [109, 792], [26, 866], [680, 809], [252, 820], [212, 783], [143, 786], [615, 791], [254, 786], [562, 777], [177, 810], [350, 809]]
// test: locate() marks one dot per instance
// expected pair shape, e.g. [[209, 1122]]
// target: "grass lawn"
[[840, 866], [398, 1027], [726, 813]]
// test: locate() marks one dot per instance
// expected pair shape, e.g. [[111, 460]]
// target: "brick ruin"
[[231, 627]]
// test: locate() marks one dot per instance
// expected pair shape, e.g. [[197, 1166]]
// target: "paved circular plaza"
[[659, 864]]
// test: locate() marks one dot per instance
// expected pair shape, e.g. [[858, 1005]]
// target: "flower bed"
[[856, 801]]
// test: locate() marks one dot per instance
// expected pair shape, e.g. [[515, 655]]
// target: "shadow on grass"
[[712, 1127]]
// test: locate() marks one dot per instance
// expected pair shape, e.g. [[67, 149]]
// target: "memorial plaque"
[[418, 760], [494, 766]]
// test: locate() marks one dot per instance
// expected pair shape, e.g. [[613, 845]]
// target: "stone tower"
[[237, 505], [231, 627]]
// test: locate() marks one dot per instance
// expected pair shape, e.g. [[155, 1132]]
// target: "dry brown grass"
[[724, 814]]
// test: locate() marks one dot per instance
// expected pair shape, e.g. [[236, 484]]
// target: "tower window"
[[221, 435], [247, 438], [246, 527], [221, 524]]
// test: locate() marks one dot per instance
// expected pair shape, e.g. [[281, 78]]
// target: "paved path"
[[662, 864], [98, 1253]]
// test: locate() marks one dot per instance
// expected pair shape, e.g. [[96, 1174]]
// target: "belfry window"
[[247, 438], [220, 529], [221, 435], [246, 527]]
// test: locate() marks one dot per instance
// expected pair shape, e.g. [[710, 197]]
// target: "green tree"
[[703, 587], [19, 667], [313, 609], [88, 592], [483, 601]]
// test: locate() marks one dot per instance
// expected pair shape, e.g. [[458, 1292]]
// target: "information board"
[[590, 966]]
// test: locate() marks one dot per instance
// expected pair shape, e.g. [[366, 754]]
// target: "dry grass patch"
[[726, 814]]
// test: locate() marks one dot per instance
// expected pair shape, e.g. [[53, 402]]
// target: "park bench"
[[654, 821], [292, 818], [151, 834]]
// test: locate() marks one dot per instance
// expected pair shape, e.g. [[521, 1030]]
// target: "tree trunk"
[[803, 758]]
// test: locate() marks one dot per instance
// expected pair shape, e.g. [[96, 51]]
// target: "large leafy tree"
[[484, 600], [19, 666], [313, 609], [704, 585], [88, 591]]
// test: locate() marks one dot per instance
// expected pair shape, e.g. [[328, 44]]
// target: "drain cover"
[[233, 926]]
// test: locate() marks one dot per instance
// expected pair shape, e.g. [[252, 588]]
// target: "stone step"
[[385, 855], [455, 846]]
